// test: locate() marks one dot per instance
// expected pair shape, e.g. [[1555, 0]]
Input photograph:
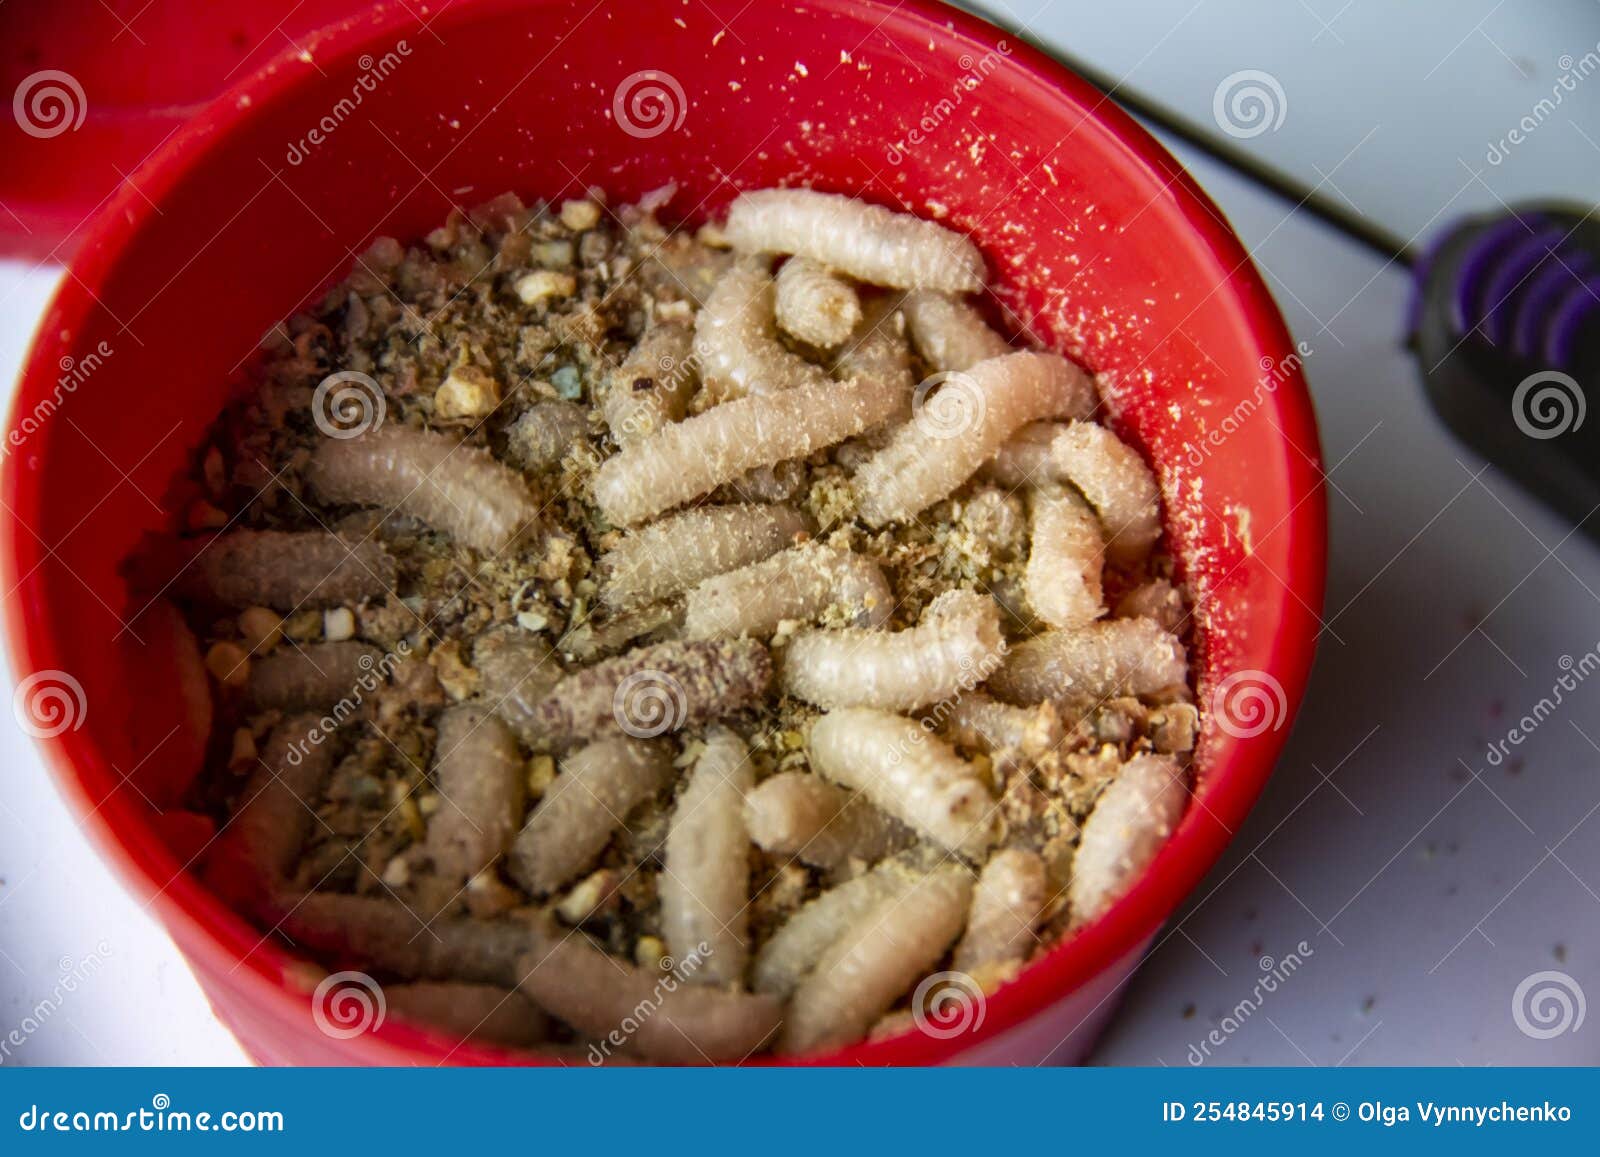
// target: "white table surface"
[[1426, 884]]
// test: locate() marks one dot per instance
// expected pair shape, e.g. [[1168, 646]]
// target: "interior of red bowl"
[[1098, 245]]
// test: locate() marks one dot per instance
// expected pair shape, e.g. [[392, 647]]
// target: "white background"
[[1425, 883]]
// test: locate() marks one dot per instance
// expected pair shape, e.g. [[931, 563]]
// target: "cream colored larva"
[[795, 813], [1066, 555], [1131, 821], [705, 883], [597, 788], [1111, 475], [875, 962], [687, 459], [1007, 906], [688, 1024], [908, 773], [959, 426], [794, 949], [802, 583], [481, 783], [949, 333], [653, 385], [736, 342], [460, 490], [1003, 731], [879, 351], [815, 305], [954, 647], [1157, 599], [1091, 664], [668, 557], [867, 242]]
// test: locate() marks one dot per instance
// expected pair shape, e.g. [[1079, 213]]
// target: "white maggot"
[[1066, 555], [1130, 822], [804, 582], [1091, 664], [668, 557], [814, 305], [949, 333], [736, 341]]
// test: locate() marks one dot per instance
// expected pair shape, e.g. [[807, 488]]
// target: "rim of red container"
[[1232, 785]]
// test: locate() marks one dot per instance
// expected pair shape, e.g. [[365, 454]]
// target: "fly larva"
[[878, 351], [868, 242], [653, 385], [1006, 733], [1091, 664], [1007, 906], [515, 671], [672, 555], [544, 434], [908, 773], [736, 341], [1129, 824], [388, 936], [877, 960], [688, 1024], [287, 570], [804, 583], [682, 461], [798, 814], [1157, 599], [314, 676], [1066, 554], [460, 490], [259, 845], [794, 949], [480, 1012], [653, 690], [600, 636], [597, 788], [1117, 482], [958, 427], [705, 879], [953, 648], [814, 305], [481, 782], [949, 333]]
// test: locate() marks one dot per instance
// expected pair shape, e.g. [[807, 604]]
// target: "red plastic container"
[[1094, 234]]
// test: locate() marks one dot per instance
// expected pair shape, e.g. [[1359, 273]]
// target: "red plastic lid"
[[95, 86]]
